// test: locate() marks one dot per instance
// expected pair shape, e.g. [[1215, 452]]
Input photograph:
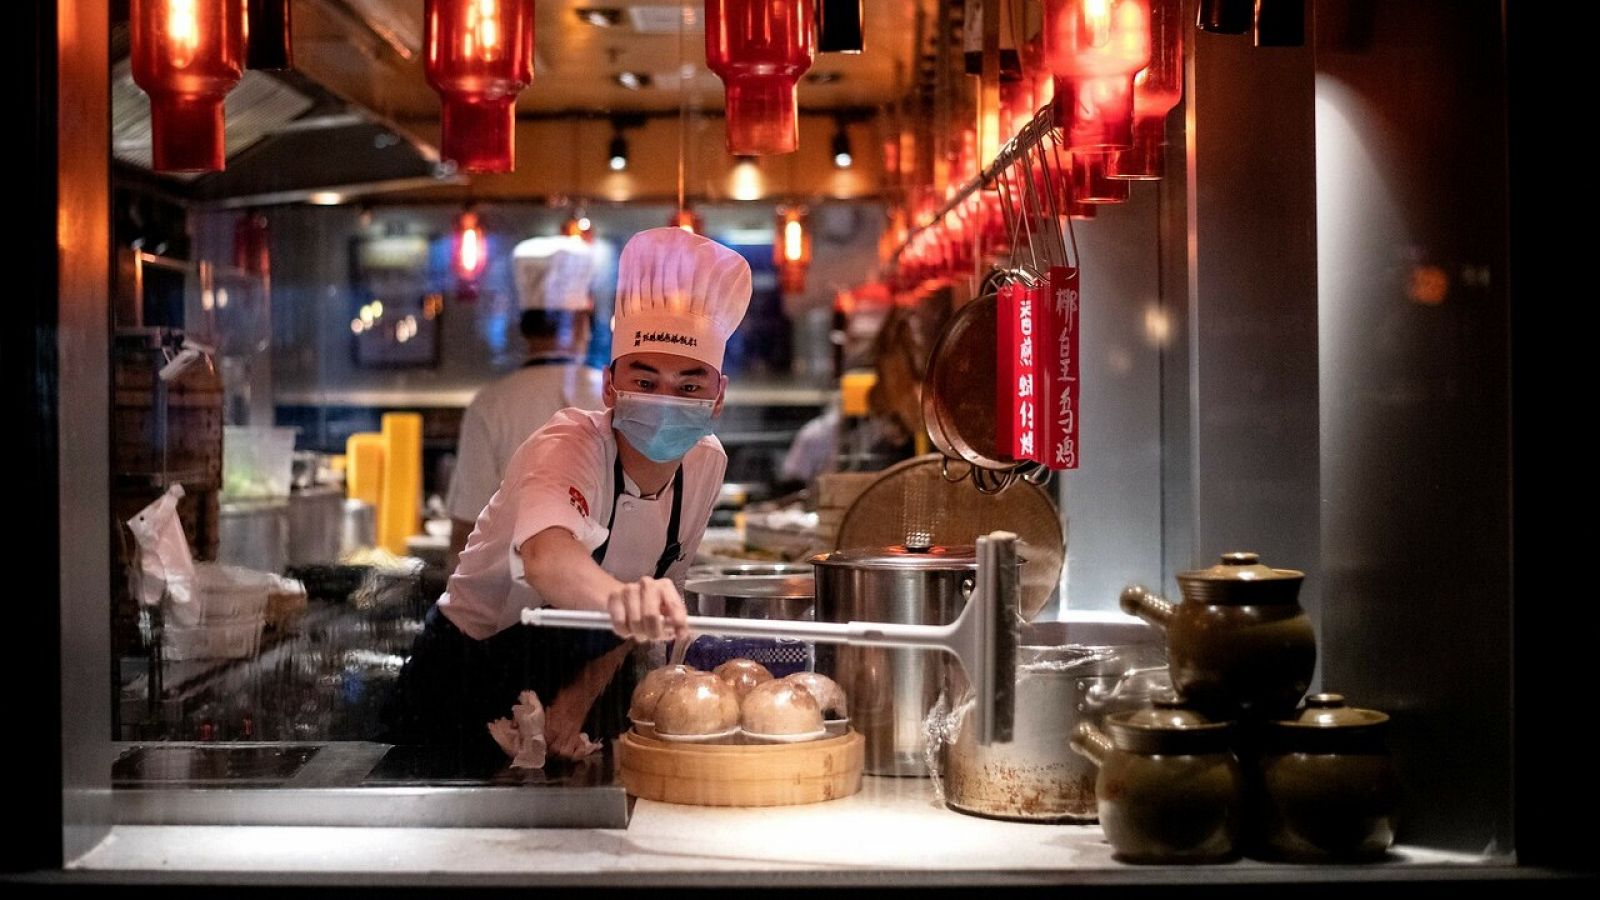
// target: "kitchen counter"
[[893, 825]]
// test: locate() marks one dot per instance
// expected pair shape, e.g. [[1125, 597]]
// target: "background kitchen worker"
[[552, 279]]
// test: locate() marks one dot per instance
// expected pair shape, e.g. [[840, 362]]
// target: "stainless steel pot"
[[1067, 672], [316, 524], [254, 534], [747, 570], [891, 691], [777, 596], [360, 527]]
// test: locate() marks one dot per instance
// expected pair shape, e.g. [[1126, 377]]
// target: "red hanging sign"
[[1059, 337], [1018, 387]]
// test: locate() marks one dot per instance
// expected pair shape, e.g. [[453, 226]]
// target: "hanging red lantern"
[[268, 44], [187, 55], [479, 55], [791, 250], [1096, 47], [251, 245], [1091, 184], [1096, 114], [1156, 90], [471, 247], [760, 48], [687, 220]]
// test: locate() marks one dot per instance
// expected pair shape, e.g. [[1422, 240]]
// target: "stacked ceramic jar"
[[1234, 763]]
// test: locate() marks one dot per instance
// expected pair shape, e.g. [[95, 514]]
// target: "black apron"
[[452, 686]]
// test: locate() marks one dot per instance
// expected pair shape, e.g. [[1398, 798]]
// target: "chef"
[[597, 510], [552, 280]]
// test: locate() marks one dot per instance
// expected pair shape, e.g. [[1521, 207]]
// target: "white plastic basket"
[[232, 640]]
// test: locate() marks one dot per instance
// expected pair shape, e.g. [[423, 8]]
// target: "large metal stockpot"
[[1067, 672], [891, 690]]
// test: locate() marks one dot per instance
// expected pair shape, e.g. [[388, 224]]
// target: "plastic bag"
[[165, 565], [522, 735]]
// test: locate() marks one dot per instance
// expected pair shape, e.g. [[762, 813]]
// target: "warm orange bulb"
[[793, 235], [791, 251], [470, 249]]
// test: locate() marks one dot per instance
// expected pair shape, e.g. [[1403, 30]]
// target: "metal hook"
[[1071, 238], [944, 471]]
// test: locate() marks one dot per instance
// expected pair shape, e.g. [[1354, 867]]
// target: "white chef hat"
[[678, 292], [553, 273]]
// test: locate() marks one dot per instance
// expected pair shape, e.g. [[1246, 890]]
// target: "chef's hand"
[[648, 610]]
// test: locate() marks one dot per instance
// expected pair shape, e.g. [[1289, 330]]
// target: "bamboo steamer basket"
[[741, 774]]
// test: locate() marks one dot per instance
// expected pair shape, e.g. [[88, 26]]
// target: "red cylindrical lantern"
[[1096, 114], [791, 250], [760, 48], [478, 54], [251, 244], [1156, 90], [187, 55], [1096, 47], [1090, 184], [268, 43]]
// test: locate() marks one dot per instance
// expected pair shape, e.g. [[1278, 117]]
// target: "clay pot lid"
[[1241, 566], [1329, 711], [1166, 713]]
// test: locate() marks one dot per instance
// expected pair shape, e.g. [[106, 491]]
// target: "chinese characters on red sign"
[[1037, 385]]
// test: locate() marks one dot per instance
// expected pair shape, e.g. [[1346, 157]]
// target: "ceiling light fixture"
[[599, 16], [842, 157], [617, 153], [634, 81]]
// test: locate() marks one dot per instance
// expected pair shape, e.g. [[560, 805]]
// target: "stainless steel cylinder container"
[[890, 690]]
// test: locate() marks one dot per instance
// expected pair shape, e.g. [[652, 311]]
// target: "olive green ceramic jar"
[[1324, 785], [1240, 645], [1169, 786]]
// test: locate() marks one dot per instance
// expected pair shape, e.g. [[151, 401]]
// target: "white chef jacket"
[[500, 418], [562, 476]]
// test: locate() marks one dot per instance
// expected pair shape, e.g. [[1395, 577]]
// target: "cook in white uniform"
[[552, 276], [597, 510]]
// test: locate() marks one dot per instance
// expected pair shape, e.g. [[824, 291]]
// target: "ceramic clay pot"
[[1240, 645], [1169, 786]]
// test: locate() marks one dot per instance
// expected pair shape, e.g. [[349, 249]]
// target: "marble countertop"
[[893, 829]]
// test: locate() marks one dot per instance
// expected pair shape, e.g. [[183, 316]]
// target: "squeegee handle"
[[861, 634]]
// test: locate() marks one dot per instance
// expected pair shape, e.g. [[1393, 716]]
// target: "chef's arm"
[[566, 576]]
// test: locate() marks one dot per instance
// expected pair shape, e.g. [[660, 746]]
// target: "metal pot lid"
[[1241, 566], [774, 587], [1324, 712], [748, 570], [958, 556]]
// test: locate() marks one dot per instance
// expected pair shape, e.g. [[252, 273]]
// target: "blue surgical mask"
[[661, 427]]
